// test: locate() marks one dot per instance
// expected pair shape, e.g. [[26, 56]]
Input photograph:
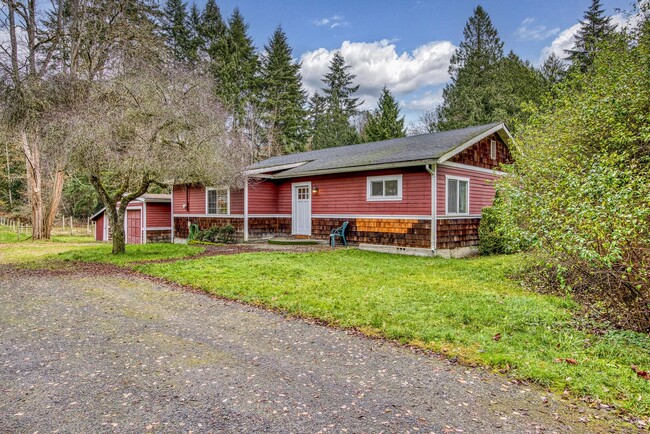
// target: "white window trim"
[[371, 179], [207, 209], [493, 149], [457, 178]]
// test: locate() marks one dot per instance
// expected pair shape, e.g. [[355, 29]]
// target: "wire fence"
[[66, 226]]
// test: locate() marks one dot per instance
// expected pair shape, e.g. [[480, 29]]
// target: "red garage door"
[[133, 226]]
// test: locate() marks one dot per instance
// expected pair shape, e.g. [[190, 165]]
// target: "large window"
[[384, 187], [457, 195], [218, 201]]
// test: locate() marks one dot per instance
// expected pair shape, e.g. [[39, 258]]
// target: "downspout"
[[143, 221], [246, 209], [434, 199], [172, 211]]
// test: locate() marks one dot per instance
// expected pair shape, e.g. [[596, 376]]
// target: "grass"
[[134, 253], [83, 248], [452, 306]]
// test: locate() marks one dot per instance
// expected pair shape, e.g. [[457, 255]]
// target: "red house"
[[422, 194], [148, 220]]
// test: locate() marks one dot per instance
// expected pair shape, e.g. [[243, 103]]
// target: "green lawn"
[[134, 253], [82, 248], [453, 306]]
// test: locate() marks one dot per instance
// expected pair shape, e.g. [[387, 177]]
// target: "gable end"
[[479, 154]]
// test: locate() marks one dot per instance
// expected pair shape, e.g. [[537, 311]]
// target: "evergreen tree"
[[340, 106], [594, 28], [517, 82], [211, 29], [316, 115], [236, 68], [468, 99], [283, 97], [385, 122], [554, 69], [176, 29]]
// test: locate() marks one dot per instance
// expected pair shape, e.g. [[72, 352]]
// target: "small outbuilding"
[[148, 219]]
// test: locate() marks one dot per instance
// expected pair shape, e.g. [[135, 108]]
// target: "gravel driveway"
[[115, 353]]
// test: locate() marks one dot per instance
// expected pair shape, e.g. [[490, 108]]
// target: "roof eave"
[[351, 169]]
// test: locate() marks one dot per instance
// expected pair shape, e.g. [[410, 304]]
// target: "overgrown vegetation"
[[580, 184], [464, 308]]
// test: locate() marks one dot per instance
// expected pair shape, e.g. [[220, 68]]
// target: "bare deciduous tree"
[[151, 126], [68, 41]]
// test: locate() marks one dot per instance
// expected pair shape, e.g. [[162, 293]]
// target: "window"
[[218, 201], [493, 149], [384, 187], [457, 195]]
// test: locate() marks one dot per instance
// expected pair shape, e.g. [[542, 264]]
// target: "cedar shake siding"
[[479, 154], [457, 233]]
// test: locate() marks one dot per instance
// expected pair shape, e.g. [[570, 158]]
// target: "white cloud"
[[332, 22], [567, 38], [564, 41], [378, 63], [527, 31], [427, 101]]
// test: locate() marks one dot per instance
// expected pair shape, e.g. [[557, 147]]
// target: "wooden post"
[[63, 223], [71, 227]]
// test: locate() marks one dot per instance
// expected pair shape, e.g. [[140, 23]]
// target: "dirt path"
[[114, 353]]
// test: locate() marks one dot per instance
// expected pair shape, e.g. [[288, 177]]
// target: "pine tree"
[[283, 97], [385, 121], [554, 69], [468, 99], [176, 31], [211, 29], [236, 68], [594, 28], [340, 106]]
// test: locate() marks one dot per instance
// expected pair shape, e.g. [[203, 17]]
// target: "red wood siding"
[[159, 215], [99, 227], [346, 194], [237, 201], [479, 154], [192, 196], [481, 189], [262, 197]]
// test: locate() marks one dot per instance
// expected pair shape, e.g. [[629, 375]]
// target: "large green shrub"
[[217, 234], [580, 184]]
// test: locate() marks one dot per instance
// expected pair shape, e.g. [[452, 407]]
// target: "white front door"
[[301, 215]]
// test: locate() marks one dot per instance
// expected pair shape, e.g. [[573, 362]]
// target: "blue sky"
[[406, 45]]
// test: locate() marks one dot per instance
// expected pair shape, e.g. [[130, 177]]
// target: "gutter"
[[434, 200], [347, 169]]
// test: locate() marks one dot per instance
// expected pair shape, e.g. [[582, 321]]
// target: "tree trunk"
[[11, 200], [54, 202], [117, 222], [33, 168]]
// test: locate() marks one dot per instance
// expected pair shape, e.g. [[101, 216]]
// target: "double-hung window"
[[457, 195], [218, 201], [384, 188]]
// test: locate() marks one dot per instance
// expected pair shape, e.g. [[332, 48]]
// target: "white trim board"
[[472, 168], [373, 217], [459, 217], [216, 216]]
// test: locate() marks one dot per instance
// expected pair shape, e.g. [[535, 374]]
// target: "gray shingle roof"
[[415, 148]]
